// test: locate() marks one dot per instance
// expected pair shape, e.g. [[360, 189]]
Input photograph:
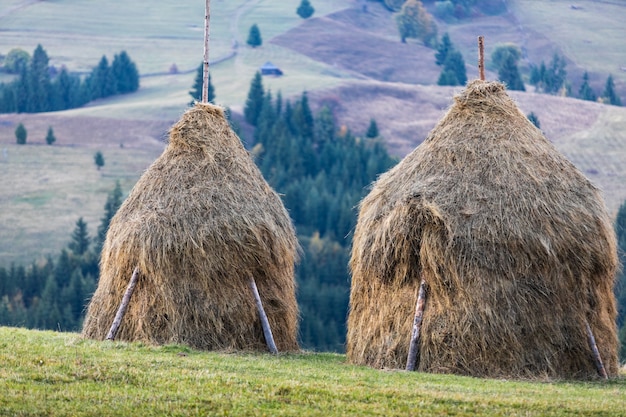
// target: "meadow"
[[61, 374]]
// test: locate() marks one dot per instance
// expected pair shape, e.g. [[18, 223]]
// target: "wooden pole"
[[205, 73], [596, 352], [123, 306], [267, 331], [411, 360], [481, 57]]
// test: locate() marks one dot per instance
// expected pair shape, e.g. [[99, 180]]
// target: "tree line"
[[39, 87]]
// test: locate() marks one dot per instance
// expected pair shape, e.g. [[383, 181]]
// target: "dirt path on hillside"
[[20, 6]]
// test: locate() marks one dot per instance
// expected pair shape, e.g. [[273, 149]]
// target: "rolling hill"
[[347, 59]]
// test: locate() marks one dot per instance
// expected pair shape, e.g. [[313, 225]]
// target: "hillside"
[[61, 374], [346, 59]]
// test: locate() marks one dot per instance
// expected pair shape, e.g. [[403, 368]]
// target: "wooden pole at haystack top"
[[205, 74], [481, 58]]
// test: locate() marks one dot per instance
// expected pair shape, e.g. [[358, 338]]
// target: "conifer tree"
[[50, 138], [98, 159], [454, 72], [509, 74], [534, 119], [305, 9], [125, 73], [80, 238], [443, 48], [586, 92], [20, 134], [372, 130], [102, 81], [113, 203], [38, 82], [254, 102], [196, 89], [609, 95], [254, 36]]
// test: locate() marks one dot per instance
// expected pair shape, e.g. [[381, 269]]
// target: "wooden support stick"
[[123, 306], [205, 73], [481, 57], [411, 360], [267, 331], [596, 352]]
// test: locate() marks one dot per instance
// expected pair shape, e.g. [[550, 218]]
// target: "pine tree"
[[305, 9], [254, 36], [303, 117], [586, 92], [98, 159], [443, 48], [113, 203], [609, 94], [80, 238], [534, 119], [38, 82], [102, 81], [372, 130], [50, 139], [509, 74], [125, 73], [68, 88], [20, 134], [454, 72], [254, 102], [196, 89]]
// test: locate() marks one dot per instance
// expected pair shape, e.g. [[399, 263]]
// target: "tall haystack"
[[198, 223], [514, 243]]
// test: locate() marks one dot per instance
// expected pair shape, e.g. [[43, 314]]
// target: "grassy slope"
[[59, 374]]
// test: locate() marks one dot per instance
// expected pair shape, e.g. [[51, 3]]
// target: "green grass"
[[60, 374], [591, 36], [40, 207]]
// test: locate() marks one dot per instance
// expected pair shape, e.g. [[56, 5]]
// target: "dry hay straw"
[[198, 223], [514, 243]]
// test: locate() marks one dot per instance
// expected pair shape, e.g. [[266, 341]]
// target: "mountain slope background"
[[347, 59]]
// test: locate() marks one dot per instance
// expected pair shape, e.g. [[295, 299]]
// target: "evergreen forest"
[[39, 87]]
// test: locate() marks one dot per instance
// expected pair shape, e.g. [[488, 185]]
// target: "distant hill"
[[347, 59]]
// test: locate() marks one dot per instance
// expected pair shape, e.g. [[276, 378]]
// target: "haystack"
[[198, 223], [514, 243]]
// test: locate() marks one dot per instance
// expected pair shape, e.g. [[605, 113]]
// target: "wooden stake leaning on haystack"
[[506, 233], [197, 226], [421, 297]]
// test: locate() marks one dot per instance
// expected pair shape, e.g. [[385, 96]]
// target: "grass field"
[[597, 26], [45, 189], [60, 374]]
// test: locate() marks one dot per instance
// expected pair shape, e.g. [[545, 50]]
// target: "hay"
[[198, 222], [514, 243]]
